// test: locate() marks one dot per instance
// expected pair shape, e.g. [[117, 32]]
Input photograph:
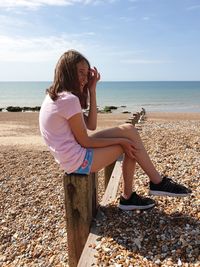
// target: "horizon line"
[[109, 81]]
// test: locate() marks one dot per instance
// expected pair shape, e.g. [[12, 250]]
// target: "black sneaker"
[[169, 188], [136, 202]]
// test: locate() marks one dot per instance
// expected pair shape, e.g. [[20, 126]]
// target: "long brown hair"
[[66, 77]]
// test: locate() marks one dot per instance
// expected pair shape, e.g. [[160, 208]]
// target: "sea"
[[158, 96]]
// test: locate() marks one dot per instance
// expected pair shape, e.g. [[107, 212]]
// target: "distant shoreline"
[[154, 96], [115, 111]]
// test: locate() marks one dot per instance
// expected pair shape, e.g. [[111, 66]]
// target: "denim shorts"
[[87, 163]]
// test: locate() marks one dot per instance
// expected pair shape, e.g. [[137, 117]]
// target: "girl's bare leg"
[[128, 170], [141, 156], [106, 155]]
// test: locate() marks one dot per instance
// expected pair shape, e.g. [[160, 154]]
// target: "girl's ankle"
[[126, 196]]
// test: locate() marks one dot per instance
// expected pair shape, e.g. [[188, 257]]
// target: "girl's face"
[[83, 71]]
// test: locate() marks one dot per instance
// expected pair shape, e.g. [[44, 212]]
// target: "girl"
[[64, 129]]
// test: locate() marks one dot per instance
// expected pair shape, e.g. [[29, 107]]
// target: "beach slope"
[[33, 229]]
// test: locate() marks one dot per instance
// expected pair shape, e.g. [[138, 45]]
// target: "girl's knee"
[[129, 131], [128, 127]]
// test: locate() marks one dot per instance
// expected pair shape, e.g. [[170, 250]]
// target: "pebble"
[[33, 227], [167, 235], [179, 262]]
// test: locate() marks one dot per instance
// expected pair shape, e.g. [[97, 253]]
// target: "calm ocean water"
[[153, 96]]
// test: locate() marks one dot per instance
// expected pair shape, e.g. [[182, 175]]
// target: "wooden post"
[[107, 173], [88, 258], [80, 206]]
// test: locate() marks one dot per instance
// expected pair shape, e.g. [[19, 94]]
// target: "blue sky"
[[135, 40]]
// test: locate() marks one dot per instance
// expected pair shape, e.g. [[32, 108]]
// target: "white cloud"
[[127, 19], [31, 3], [34, 4], [7, 21], [41, 49], [193, 7], [145, 18]]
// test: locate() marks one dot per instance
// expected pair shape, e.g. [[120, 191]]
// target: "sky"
[[127, 40]]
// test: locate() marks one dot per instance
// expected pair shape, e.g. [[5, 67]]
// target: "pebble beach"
[[32, 216]]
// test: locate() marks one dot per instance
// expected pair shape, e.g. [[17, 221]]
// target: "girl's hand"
[[93, 78], [129, 148]]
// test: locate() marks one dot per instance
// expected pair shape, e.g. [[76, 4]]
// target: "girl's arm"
[[80, 133], [91, 118]]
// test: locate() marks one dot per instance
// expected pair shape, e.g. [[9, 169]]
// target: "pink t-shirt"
[[56, 131]]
